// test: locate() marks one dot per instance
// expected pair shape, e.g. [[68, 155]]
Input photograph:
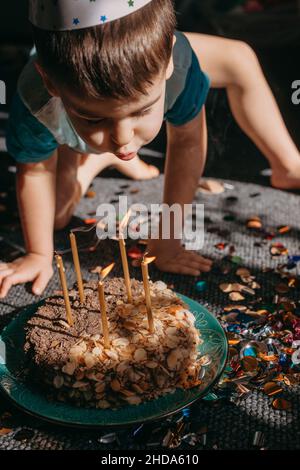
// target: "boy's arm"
[[36, 185], [186, 154]]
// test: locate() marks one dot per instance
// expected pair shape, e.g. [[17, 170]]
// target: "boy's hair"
[[118, 59]]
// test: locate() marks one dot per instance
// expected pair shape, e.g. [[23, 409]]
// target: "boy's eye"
[[144, 112], [94, 122]]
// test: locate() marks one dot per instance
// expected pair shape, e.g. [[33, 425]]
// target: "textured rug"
[[226, 420]]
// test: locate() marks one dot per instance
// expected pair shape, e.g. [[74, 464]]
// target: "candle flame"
[[58, 257], [105, 271], [124, 221], [148, 259]]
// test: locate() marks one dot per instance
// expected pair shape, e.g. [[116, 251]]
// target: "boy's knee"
[[243, 53], [244, 65]]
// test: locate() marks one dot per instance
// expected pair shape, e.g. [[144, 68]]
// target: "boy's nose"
[[122, 134]]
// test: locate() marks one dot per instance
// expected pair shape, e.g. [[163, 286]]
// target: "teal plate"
[[14, 382]]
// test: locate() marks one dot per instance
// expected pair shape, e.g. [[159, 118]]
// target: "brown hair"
[[118, 59]]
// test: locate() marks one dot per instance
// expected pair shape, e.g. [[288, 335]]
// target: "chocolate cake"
[[74, 366]]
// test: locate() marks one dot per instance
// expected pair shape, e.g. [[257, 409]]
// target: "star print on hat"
[[66, 15]]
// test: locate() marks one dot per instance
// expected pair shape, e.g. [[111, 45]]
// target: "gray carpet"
[[231, 421]]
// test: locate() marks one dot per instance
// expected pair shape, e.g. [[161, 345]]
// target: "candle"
[[125, 268], [61, 270], [77, 266], [104, 320], [122, 246], [145, 274]]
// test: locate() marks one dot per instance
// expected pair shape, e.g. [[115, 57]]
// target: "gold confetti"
[[281, 404], [90, 194], [4, 431], [236, 296], [249, 364], [271, 388]]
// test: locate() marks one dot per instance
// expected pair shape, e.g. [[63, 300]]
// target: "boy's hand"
[[32, 267], [172, 257]]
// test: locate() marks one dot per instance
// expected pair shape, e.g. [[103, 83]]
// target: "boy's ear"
[[170, 68], [48, 84]]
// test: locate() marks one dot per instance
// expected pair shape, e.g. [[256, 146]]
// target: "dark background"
[[271, 27]]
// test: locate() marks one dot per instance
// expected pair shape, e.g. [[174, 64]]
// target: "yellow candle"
[[63, 282], [104, 320], [77, 266], [145, 274], [125, 268]]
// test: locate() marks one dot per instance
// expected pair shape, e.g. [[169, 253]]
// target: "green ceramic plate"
[[14, 384]]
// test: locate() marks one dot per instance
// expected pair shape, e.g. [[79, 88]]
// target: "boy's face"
[[116, 126], [119, 127]]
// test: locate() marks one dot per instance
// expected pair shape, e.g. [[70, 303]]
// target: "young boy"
[[106, 75]]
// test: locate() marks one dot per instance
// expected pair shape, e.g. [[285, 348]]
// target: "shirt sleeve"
[[191, 100], [27, 139]]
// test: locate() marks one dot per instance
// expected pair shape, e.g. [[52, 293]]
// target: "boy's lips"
[[126, 156]]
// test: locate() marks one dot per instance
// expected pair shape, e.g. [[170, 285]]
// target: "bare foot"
[[286, 179], [76, 172]]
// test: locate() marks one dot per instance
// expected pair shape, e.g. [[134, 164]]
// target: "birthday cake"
[[74, 366]]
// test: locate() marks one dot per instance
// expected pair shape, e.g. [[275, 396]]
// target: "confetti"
[[284, 229], [4, 431], [134, 190], [108, 438], [249, 364], [236, 260], [258, 439], [90, 221], [261, 336], [294, 259], [243, 272], [228, 186], [281, 404], [278, 249], [231, 200], [272, 388], [266, 172], [229, 218], [221, 246], [236, 296], [90, 194], [282, 288], [254, 223], [201, 286]]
